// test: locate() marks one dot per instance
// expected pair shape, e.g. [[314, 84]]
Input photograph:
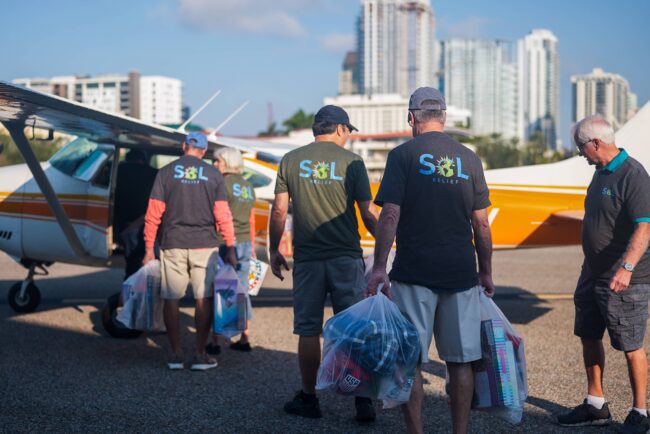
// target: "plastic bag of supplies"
[[142, 306], [500, 382], [370, 350], [256, 276], [231, 302]]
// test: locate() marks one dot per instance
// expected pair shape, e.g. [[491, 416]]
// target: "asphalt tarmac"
[[60, 372]]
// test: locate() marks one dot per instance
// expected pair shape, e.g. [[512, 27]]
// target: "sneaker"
[[635, 423], [304, 405], [213, 350], [241, 346], [365, 410], [203, 363], [175, 362], [586, 414]]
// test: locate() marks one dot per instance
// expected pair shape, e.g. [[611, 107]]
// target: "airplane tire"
[[110, 323], [29, 301]]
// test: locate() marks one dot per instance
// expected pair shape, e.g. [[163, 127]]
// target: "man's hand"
[[277, 262], [486, 281], [621, 280], [149, 256], [378, 279], [231, 257]]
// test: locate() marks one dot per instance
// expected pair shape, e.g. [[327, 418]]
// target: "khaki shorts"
[[342, 277], [179, 267], [453, 317]]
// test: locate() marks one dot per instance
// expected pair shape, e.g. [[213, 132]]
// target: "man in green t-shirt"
[[323, 181]]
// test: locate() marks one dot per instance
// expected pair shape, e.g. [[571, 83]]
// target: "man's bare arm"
[[276, 229], [636, 247], [483, 245], [279, 212], [384, 237], [369, 219]]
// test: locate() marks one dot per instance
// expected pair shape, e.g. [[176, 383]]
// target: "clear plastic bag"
[[142, 306], [500, 382], [370, 350], [370, 260], [231, 303]]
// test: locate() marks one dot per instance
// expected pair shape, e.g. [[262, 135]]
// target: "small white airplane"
[[61, 210]]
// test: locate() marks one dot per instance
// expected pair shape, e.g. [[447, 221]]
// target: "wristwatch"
[[628, 266]]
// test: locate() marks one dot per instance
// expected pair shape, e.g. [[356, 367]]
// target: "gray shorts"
[[180, 267], [453, 317], [623, 314], [342, 277]]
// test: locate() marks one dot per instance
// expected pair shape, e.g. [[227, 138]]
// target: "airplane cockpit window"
[[84, 160], [256, 178]]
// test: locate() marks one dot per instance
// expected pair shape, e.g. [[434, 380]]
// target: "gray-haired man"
[[613, 288], [435, 200]]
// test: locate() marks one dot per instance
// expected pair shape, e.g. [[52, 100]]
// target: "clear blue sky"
[[289, 52]]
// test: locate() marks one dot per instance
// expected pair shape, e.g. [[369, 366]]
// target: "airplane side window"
[[85, 160], [72, 156], [255, 178]]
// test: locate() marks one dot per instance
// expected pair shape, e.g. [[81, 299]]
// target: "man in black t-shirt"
[[188, 205], [614, 287], [435, 199]]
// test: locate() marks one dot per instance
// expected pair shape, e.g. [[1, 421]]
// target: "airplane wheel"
[[29, 302], [112, 326]]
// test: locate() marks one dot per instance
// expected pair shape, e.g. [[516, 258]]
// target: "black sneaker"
[[365, 410], [213, 350], [635, 423], [241, 346], [304, 405], [586, 414]]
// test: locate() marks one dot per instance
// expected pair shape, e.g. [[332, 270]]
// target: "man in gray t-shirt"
[[614, 286]]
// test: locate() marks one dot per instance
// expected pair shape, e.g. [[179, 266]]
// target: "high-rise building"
[[481, 76], [153, 99], [601, 93], [395, 43], [349, 75], [538, 70]]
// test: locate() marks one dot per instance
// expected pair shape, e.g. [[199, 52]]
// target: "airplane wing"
[[570, 214], [21, 108], [31, 108]]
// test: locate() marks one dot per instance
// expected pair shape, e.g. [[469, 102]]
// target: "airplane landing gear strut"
[[25, 296]]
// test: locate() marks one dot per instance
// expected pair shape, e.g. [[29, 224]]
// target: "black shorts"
[[342, 277], [623, 314]]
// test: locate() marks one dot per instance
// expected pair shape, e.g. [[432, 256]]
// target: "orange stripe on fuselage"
[[36, 206]]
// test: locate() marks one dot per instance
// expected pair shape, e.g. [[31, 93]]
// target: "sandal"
[[241, 346]]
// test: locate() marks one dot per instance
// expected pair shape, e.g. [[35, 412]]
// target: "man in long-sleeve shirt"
[[189, 204]]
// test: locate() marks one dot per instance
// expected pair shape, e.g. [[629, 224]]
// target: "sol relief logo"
[[606, 191], [242, 192], [321, 172], [189, 175], [444, 170]]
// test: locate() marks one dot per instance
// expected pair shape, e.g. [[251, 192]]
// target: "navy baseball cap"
[[335, 115], [427, 98], [197, 139]]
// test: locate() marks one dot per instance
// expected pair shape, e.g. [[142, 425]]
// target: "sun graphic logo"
[[321, 171], [191, 173], [445, 167]]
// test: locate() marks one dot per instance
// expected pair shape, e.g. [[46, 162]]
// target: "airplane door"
[[80, 174]]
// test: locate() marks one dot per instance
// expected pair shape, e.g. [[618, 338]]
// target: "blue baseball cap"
[[197, 139], [335, 115]]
